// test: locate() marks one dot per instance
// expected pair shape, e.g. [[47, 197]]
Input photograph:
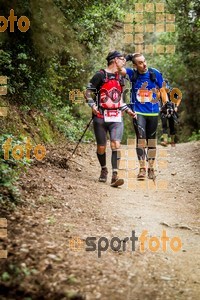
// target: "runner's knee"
[[115, 145], [101, 149]]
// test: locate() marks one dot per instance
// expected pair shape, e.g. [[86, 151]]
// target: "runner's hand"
[[120, 63], [132, 113], [95, 110]]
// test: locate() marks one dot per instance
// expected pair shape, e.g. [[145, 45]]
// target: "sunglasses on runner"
[[121, 58]]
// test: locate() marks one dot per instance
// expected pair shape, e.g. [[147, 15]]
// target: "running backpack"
[[110, 91], [136, 75]]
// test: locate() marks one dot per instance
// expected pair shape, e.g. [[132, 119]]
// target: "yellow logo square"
[[139, 7], [160, 7], [128, 38], [149, 28], [128, 18], [128, 28], [149, 49]]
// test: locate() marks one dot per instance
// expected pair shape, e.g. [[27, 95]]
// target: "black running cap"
[[113, 54]]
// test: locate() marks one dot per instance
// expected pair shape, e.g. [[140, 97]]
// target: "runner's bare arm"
[[125, 108], [89, 95], [121, 70], [131, 113]]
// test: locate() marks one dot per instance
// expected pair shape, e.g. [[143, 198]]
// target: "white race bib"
[[112, 115]]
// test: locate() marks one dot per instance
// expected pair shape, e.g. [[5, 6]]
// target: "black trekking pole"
[[88, 125]]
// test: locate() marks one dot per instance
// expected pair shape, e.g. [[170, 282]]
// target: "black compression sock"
[[115, 159], [102, 159]]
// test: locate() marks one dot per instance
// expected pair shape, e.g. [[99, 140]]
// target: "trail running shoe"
[[151, 174], [103, 175], [141, 174], [116, 181]]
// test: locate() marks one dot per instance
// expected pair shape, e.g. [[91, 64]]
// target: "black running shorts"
[[101, 128]]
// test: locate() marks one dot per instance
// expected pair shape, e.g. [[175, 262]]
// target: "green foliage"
[[6, 61], [97, 19], [180, 68], [10, 170], [195, 136], [17, 272], [5, 276], [69, 125], [187, 20]]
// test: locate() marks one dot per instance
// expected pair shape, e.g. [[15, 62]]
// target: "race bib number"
[[112, 115]]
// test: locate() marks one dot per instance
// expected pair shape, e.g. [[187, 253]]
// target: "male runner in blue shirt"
[[144, 102]]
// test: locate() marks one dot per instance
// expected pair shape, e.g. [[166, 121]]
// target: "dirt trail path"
[[62, 203]]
